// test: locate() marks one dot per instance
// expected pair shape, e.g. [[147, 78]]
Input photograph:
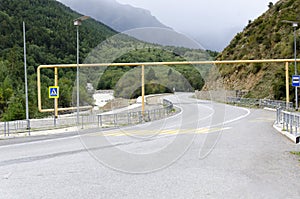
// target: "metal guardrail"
[[11, 127], [88, 120], [137, 117], [260, 102], [290, 121], [276, 104]]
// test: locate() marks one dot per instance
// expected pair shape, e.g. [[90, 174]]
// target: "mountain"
[[268, 37], [135, 22], [118, 16], [49, 31], [51, 39]]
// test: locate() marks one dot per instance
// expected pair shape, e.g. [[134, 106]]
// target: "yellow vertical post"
[[287, 86], [143, 90], [56, 99], [39, 89]]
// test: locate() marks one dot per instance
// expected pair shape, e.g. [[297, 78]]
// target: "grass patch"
[[297, 153]]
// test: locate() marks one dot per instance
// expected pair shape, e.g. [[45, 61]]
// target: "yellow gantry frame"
[[56, 67]]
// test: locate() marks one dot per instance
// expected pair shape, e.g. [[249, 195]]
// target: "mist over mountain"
[[118, 16], [135, 22]]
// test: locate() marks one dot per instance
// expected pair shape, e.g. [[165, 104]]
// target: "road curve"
[[208, 150]]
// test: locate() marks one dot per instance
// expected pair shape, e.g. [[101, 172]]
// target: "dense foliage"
[[190, 77], [51, 39]]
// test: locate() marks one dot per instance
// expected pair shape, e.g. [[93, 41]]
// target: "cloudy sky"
[[213, 23]]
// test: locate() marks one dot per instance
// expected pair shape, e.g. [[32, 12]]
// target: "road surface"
[[208, 150]]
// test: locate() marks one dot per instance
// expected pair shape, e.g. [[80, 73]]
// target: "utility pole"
[[26, 86], [295, 25], [77, 23]]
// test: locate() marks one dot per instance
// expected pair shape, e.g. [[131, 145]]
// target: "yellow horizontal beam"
[[171, 63], [145, 64]]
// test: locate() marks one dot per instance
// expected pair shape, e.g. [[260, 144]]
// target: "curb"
[[287, 134], [270, 109], [45, 132]]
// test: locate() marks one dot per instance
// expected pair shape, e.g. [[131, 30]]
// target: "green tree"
[[270, 5], [15, 110], [151, 75]]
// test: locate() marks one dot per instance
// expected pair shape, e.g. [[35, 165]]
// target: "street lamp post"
[[295, 25], [26, 86], [77, 23]]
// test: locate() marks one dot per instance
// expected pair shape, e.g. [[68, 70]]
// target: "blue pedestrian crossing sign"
[[53, 92], [296, 80]]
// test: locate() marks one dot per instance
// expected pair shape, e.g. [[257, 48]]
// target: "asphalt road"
[[209, 150]]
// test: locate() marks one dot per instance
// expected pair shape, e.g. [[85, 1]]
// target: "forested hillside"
[[51, 39], [267, 37], [190, 73]]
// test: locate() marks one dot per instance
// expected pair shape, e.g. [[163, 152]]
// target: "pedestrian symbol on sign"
[[53, 92]]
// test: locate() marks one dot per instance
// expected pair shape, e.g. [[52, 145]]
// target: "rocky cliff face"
[[268, 37]]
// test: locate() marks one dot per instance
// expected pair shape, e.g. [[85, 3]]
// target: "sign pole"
[[287, 84], [295, 25]]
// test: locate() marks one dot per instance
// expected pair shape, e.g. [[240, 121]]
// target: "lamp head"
[[294, 23], [78, 21]]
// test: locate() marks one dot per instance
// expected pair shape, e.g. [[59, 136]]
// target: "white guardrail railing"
[[287, 122], [290, 122], [91, 120], [262, 103], [137, 117]]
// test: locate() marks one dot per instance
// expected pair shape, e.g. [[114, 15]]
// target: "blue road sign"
[[53, 92], [296, 80]]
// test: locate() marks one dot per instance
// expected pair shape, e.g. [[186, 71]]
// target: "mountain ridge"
[[121, 17], [267, 37]]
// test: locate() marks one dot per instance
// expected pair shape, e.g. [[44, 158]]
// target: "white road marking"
[[78, 136]]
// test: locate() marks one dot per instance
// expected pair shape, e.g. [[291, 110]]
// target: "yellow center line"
[[159, 132]]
